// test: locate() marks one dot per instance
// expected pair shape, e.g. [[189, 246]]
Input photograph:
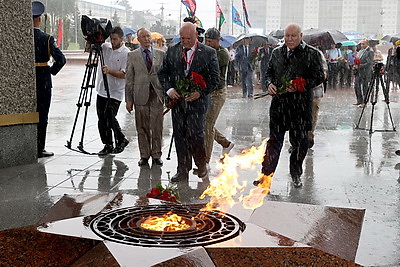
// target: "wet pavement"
[[347, 167]]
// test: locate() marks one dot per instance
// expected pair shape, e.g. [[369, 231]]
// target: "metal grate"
[[206, 227]]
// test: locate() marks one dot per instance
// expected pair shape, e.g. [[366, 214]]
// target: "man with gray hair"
[[295, 68]]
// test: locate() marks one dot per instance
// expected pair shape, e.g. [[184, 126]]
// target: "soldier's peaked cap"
[[37, 9]]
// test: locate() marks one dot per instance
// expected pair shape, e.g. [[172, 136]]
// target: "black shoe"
[[44, 153], [157, 162], [310, 143], [297, 181], [179, 177], [202, 173], [106, 150], [143, 162], [397, 152], [121, 146], [257, 182]]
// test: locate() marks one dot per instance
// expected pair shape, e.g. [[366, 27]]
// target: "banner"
[[245, 13], [236, 17], [59, 33], [220, 15], [191, 6]]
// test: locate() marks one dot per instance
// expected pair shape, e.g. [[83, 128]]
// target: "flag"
[[196, 19], [245, 13], [190, 6], [59, 33], [236, 17], [220, 15]]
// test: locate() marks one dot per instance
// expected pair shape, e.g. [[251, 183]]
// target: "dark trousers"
[[247, 82], [332, 75], [188, 124], [231, 74], [299, 141], [107, 110], [361, 85], [43, 96]]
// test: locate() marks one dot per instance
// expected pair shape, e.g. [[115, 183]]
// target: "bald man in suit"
[[189, 113]]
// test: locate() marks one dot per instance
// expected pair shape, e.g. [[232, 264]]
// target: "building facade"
[[370, 17], [103, 9]]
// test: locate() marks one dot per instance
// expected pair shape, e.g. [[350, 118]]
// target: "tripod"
[[85, 95], [376, 79]]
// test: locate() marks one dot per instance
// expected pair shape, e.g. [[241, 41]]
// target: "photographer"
[[115, 58]]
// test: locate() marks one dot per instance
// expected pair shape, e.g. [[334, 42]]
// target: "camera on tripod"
[[95, 31], [377, 67]]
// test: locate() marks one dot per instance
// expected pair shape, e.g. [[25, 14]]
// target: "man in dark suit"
[[188, 114], [143, 92], [366, 57], [291, 106], [45, 47], [244, 61], [264, 54]]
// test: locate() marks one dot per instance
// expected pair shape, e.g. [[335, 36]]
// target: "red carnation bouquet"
[[167, 193], [357, 61], [254, 55], [186, 87], [298, 84]]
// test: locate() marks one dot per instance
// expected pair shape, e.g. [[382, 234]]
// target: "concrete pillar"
[[18, 117]]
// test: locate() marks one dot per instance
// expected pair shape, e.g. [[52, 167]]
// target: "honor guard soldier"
[[45, 46]]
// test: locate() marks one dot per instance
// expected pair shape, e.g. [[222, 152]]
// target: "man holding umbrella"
[[295, 68]]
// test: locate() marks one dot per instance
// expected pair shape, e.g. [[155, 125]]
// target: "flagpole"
[[231, 17], [180, 14], [216, 18]]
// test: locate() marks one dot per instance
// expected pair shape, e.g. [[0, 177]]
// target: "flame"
[[224, 188], [167, 222]]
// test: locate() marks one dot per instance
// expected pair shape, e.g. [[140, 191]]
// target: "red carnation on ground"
[[167, 193], [299, 84]]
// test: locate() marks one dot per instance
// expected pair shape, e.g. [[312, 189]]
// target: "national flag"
[[196, 19], [190, 5], [245, 13], [220, 15], [236, 17], [59, 32]]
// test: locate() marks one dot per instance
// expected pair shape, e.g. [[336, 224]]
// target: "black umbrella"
[[279, 33], [391, 37], [256, 39], [320, 37]]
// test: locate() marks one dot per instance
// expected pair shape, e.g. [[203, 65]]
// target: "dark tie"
[[245, 51], [186, 50], [290, 52], [148, 60]]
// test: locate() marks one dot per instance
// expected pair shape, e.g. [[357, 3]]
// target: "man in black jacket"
[[189, 112], [291, 105]]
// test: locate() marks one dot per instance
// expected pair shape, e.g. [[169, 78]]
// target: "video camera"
[[377, 67], [96, 31]]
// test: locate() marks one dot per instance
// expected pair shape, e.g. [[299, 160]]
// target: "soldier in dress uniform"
[[45, 46]]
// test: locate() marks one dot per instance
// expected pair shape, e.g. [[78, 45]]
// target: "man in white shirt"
[[108, 99]]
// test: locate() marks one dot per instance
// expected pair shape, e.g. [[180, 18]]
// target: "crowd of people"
[[191, 79]]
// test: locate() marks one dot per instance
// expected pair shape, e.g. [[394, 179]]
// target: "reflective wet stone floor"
[[347, 167]]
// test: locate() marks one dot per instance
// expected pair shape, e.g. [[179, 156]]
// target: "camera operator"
[[115, 57]]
